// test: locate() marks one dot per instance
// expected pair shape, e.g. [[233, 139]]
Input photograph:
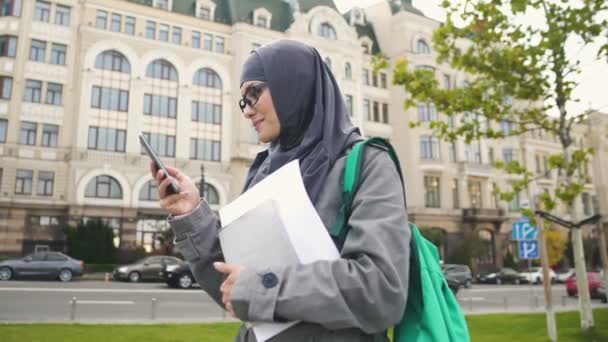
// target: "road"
[[97, 301]]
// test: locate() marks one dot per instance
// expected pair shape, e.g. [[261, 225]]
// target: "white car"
[[534, 275], [563, 277]]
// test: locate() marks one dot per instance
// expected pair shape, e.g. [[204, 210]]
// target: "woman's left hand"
[[233, 271]]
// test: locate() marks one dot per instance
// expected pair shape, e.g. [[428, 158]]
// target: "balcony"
[[483, 215], [475, 169]]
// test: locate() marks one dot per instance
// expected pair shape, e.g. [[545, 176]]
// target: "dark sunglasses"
[[252, 95]]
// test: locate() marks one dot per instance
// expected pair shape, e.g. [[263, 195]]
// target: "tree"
[[556, 245], [519, 74], [91, 242]]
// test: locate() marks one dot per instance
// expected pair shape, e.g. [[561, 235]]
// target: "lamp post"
[[201, 189]]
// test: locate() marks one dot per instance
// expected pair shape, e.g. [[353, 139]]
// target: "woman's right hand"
[[177, 204]]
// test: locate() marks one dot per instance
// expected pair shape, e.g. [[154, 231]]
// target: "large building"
[[81, 79]]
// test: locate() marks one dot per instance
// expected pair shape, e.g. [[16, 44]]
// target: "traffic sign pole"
[[544, 261]]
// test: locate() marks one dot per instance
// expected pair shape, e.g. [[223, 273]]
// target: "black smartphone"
[[172, 188]]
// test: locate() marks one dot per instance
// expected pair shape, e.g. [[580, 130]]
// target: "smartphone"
[[172, 188]]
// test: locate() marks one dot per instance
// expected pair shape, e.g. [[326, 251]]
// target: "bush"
[[95, 268], [91, 242]]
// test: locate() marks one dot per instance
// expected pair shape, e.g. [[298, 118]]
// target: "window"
[[486, 247], [162, 69], [177, 35], [374, 79], [32, 91], [23, 182], [160, 105], [196, 39], [37, 50], [494, 195], [509, 155], [348, 72], [130, 25], [472, 153], [366, 48], [58, 52], [383, 83], [422, 47], [261, 21], [204, 13], [208, 78], [455, 194], [210, 194], [103, 187], [204, 149], [62, 15], [162, 4], [107, 139], [447, 82], [6, 87], [206, 112], [54, 94], [491, 159], [8, 46], [44, 221], [150, 30], [163, 144], [219, 44], [348, 99], [163, 33], [431, 192], [327, 31], [514, 203], [102, 19], [376, 112], [385, 113], [42, 11], [116, 24], [427, 112], [452, 153], [586, 199], [50, 135], [112, 60], [110, 99], [475, 193], [10, 8], [365, 75], [429, 147], [208, 42], [149, 192], [367, 110], [3, 129], [45, 183], [507, 127], [55, 257]]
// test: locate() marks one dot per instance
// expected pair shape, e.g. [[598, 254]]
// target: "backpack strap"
[[352, 174]]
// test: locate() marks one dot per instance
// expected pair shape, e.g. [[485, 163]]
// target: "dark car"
[[149, 268], [50, 265], [502, 276], [179, 276], [453, 283], [461, 273]]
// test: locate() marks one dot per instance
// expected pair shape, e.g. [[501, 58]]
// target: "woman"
[[293, 101]]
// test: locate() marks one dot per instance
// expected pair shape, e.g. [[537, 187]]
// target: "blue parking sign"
[[529, 249], [523, 230]]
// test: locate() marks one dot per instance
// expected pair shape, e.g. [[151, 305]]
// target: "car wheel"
[[604, 299], [517, 281], [571, 294], [468, 284], [134, 277], [6, 273], [65, 275], [538, 281], [498, 281], [185, 281]]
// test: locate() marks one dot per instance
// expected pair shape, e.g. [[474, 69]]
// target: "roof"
[[404, 5], [365, 30]]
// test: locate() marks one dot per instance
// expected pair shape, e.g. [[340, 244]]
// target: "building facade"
[[81, 79]]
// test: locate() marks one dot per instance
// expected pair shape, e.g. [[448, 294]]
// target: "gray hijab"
[[315, 127]]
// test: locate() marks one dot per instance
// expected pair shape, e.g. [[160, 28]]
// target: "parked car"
[[534, 275], [178, 276], [562, 277], [502, 276], [603, 291], [595, 281], [149, 268], [50, 265], [461, 273]]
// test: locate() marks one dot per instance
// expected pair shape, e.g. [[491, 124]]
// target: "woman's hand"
[[233, 271], [177, 204]]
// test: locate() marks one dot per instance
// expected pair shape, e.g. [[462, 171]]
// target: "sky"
[[592, 81]]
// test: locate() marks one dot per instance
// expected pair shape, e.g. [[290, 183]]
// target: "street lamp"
[[201, 188]]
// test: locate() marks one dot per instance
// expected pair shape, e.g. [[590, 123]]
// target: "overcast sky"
[[593, 80]]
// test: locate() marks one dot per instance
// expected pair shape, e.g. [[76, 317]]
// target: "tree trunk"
[[582, 283]]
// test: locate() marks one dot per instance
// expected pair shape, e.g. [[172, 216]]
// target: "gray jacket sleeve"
[[196, 239], [366, 288]]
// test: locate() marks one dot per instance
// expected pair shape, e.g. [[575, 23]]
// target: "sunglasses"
[[252, 95]]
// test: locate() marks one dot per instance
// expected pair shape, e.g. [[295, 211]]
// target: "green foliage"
[[469, 250], [435, 236], [518, 73], [509, 261], [92, 242]]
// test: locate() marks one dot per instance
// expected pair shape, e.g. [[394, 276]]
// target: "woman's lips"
[[257, 124]]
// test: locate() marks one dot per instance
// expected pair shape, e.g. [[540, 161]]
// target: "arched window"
[[206, 77], [149, 192], [161, 69], [103, 187], [328, 62], [112, 60], [209, 193], [422, 47], [348, 71], [327, 31], [486, 247]]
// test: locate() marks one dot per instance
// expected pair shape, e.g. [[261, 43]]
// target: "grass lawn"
[[486, 328]]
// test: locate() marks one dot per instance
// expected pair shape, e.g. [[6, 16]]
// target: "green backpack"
[[432, 313]]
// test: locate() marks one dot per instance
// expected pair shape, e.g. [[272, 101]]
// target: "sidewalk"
[[96, 276]]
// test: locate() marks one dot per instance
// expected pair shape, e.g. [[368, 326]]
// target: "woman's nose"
[[248, 111]]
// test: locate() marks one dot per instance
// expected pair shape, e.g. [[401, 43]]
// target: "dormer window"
[[205, 9], [366, 44], [262, 18], [163, 4], [422, 47], [327, 31], [366, 49], [357, 17]]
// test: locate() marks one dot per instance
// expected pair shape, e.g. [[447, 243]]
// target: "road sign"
[[523, 230], [529, 249]]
